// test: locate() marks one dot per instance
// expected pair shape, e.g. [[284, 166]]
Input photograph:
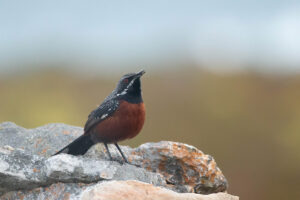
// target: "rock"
[[111, 190], [43, 141], [19, 171], [57, 191], [185, 168], [25, 164], [135, 190]]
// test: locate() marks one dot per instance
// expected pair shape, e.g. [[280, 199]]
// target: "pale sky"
[[222, 35]]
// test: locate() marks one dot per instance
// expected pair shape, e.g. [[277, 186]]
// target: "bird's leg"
[[121, 152], [105, 144]]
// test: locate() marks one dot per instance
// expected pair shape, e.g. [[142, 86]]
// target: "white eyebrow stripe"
[[126, 89]]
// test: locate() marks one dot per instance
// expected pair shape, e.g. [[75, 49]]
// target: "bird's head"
[[129, 86]]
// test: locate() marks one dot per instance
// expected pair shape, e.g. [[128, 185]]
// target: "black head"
[[129, 87]]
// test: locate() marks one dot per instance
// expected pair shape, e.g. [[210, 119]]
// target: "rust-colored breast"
[[125, 123]]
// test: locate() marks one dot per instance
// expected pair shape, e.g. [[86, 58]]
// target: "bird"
[[119, 117]]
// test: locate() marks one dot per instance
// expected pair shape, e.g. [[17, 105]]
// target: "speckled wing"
[[106, 109]]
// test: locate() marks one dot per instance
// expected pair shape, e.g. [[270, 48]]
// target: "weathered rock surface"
[[19, 171], [111, 190], [43, 141], [28, 171], [135, 190], [185, 168], [57, 191]]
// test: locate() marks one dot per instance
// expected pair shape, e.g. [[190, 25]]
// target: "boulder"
[[185, 168], [135, 190], [27, 169], [22, 171], [56, 191], [43, 141], [111, 190]]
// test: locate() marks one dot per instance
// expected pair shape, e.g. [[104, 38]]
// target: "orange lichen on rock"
[[182, 164], [66, 132], [36, 170], [44, 151]]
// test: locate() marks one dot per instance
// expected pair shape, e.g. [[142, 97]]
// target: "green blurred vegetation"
[[248, 121]]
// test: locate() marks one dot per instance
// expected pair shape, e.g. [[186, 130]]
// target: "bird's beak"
[[140, 73]]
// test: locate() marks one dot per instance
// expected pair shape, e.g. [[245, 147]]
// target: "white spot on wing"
[[103, 116], [124, 92]]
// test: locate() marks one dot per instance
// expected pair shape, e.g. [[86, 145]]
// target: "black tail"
[[79, 146]]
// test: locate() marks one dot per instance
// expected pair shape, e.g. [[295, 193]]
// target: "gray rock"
[[28, 171], [110, 190], [57, 191], [19, 171], [185, 168], [43, 141]]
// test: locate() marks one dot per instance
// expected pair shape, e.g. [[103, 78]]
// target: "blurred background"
[[223, 76]]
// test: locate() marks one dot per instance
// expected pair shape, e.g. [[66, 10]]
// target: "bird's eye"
[[125, 80]]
